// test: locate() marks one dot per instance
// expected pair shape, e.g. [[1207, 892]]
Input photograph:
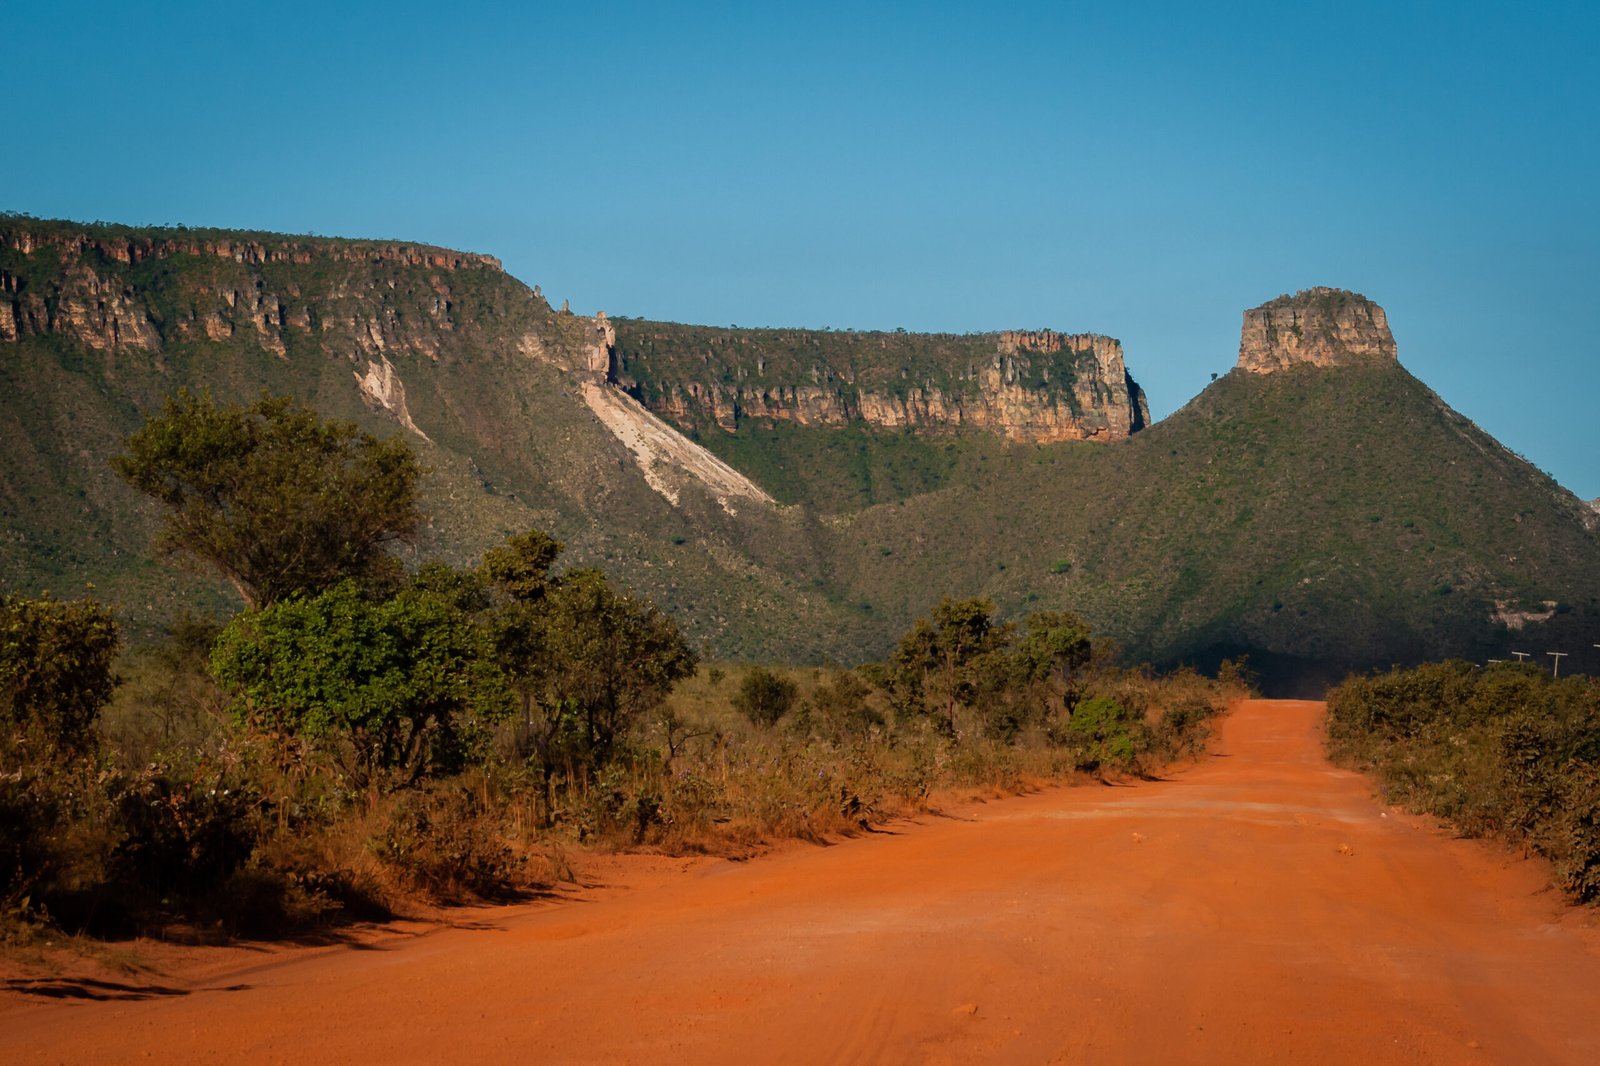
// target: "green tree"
[[521, 566], [1051, 659], [1055, 647], [407, 683], [764, 696], [276, 499], [937, 664], [56, 667], [587, 661]]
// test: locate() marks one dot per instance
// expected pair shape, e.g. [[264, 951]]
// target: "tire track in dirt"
[[1258, 906]]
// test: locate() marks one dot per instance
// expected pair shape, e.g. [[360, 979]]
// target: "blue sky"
[[1143, 170]]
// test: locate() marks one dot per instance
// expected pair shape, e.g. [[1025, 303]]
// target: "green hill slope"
[[1317, 518]]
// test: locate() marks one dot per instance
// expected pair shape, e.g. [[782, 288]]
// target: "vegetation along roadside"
[[363, 737], [1507, 752]]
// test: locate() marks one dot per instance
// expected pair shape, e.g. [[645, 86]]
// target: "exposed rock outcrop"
[[667, 459], [1037, 387], [1514, 617], [372, 303], [385, 391], [1320, 326], [92, 287], [82, 244]]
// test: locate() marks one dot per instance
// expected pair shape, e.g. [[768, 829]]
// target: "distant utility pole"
[[1493, 661], [1555, 671], [1522, 656]]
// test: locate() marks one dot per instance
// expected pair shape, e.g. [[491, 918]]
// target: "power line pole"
[[1522, 656], [1555, 671]]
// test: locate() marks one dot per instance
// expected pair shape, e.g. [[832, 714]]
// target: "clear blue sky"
[[1142, 170]]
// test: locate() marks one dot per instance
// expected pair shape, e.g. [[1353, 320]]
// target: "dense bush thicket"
[[250, 806], [55, 668], [360, 737], [1507, 751]]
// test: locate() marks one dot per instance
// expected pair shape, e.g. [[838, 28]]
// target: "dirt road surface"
[[1256, 907]]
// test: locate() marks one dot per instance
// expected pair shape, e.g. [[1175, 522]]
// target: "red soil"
[[1259, 906]]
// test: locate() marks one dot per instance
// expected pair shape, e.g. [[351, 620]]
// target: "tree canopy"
[[407, 681], [587, 659], [55, 667], [764, 696], [273, 497], [938, 663]]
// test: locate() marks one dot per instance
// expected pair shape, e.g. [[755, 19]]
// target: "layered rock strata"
[[1036, 387], [113, 293]]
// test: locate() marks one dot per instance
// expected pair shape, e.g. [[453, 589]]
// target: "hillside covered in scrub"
[[803, 494], [482, 377]]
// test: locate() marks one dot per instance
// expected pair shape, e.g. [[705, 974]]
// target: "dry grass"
[[284, 844]]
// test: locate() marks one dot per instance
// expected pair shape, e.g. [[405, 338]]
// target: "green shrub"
[[839, 710], [403, 686], [56, 667], [1508, 752], [1183, 726], [764, 696], [1571, 838], [1098, 731]]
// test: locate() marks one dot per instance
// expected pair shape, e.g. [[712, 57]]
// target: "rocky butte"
[[1320, 326]]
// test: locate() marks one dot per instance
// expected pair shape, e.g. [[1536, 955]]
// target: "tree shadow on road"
[[91, 989]]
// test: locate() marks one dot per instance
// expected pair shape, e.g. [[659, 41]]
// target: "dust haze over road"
[[1258, 906]]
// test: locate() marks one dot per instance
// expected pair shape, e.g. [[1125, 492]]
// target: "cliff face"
[[1320, 326], [504, 398], [138, 292], [1038, 387]]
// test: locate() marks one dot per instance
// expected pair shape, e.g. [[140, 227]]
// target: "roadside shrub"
[[55, 677], [444, 842], [1183, 726], [401, 687], [1508, 752], [179, 836], [56, 667], [1236, 673], [1571, 838], [33, 809], [839, 708], [1098, 732], [764, 696]]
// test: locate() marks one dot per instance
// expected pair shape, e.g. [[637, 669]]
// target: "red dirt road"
[[1256, 907]]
